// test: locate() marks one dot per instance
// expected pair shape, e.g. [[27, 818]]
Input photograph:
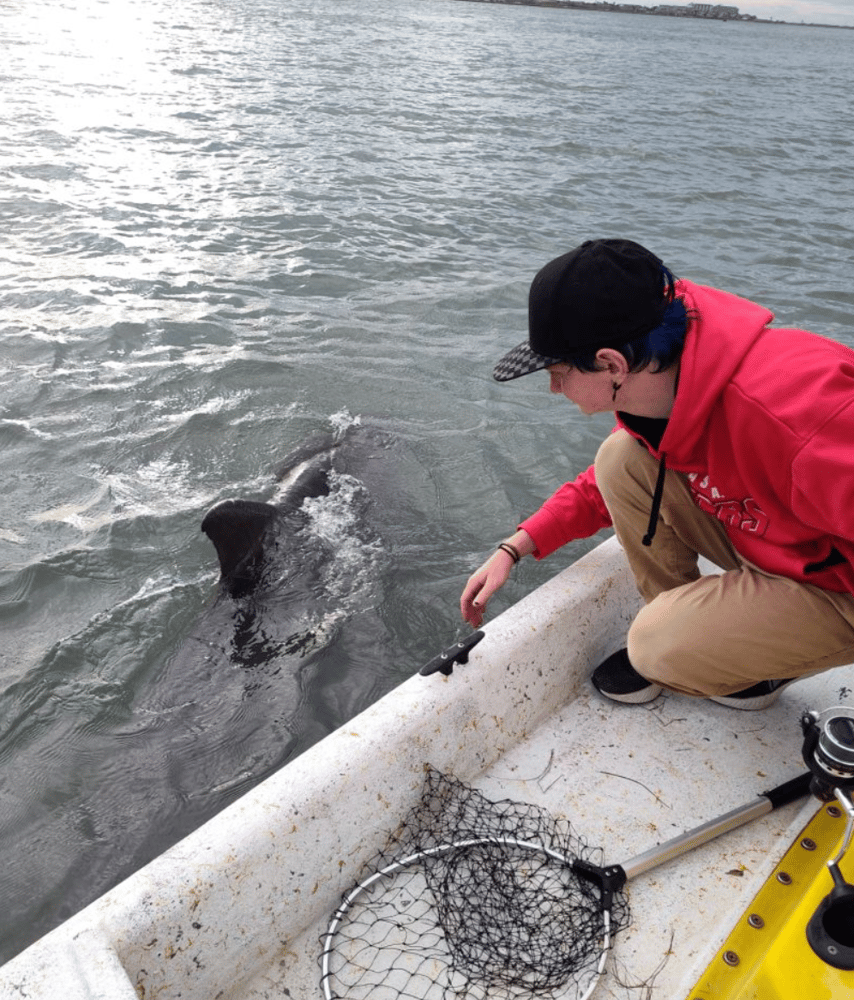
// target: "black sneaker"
[[758, 696], [618, 680]]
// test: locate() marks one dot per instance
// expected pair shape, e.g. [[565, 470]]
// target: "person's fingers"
[[482, 585]]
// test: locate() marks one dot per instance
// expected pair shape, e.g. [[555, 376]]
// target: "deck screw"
[[834, 811], [784, 878], [808, 844], [731, 958], [756, 921]]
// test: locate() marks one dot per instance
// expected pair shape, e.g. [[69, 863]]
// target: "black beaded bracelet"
[[510, 550]]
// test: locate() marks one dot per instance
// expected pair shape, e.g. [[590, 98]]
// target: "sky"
[[816, 11]]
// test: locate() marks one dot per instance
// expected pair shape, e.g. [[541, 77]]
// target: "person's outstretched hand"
[[491, 576]]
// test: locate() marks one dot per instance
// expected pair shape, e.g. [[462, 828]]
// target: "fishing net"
[[473, 899]]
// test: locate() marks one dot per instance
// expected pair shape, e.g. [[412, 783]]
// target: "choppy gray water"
[[227, 224]]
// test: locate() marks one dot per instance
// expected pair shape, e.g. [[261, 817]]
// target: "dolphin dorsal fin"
[[238, 530]]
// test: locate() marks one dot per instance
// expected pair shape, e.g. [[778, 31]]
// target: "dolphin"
[[186, 710], [298, 574], [285, 582], [244, 532]]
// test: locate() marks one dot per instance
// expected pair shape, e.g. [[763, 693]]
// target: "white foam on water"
[[338, 520], [152, 489], [343, 420], [29, 426], [156, 488], [216, 404], [73, 513]]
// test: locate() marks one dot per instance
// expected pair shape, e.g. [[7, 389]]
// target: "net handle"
[[767, 802]]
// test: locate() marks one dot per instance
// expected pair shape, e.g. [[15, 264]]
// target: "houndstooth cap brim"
[[521, 361]]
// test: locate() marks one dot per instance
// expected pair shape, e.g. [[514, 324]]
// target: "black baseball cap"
[[603, 293]]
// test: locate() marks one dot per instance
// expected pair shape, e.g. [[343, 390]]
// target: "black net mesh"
[[504, 918]]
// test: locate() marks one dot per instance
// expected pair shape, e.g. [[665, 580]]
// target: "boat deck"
[[632, 777]]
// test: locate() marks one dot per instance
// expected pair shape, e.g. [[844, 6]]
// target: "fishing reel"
[[829, 754], [829, 750]]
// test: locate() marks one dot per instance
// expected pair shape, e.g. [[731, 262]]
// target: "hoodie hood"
[[723, 329]]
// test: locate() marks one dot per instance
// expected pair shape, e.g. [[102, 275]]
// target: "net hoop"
[[328, 939]]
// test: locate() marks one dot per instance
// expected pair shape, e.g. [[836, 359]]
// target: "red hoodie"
[[763, 425]]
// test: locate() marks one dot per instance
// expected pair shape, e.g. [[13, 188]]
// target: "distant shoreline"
[[674, 11]]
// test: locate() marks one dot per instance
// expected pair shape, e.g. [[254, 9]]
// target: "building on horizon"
[[717, 11]]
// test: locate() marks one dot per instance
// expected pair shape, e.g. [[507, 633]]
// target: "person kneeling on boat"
[[734, 441]]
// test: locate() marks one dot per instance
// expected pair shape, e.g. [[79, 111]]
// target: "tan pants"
[[711, 635]]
